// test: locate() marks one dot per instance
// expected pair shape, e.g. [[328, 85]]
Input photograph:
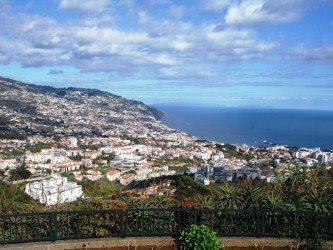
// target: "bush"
[[196, 237]]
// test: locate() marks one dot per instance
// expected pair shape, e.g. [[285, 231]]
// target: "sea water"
[[252, 126]]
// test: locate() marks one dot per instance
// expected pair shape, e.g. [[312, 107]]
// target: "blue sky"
[[263, 53]]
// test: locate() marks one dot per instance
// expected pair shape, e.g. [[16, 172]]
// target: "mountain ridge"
[[29, 108]]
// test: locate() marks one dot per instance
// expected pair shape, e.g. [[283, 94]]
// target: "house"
[[66, 166], [8, 163], [73, 152], [112, 175], [93, 175], [270, 177], [92, 154], [126, 179]]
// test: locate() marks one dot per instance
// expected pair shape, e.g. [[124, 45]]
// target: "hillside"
[[34, 109]]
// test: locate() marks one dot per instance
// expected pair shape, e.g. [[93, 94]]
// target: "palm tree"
[[138, 203], [230, 197], [205, 201], [252, 196], [273, 201], [158, 201], [319, 200], [299, 203], [279, 182], [299, 176]]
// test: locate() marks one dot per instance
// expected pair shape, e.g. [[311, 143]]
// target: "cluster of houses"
[[310, 156], [211, 174], [135, 162], [54, 191], [8, 163]]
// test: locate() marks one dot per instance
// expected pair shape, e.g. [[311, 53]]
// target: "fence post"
[[55, 223], [123, 223], [126, 223], [259, 223], [53, 226], [330, 226], [195, 219]]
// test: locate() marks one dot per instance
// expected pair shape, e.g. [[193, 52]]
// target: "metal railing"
[[52, 226]]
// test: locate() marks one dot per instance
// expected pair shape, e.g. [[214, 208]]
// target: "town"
[[54, 143], [50, 162]]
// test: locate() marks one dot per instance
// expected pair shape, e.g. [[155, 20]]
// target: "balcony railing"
[[62, 225]]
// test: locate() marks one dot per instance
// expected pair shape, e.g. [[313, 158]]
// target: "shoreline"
[[253, 126]]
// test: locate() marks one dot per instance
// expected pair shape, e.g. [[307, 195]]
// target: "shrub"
[[196, 237]]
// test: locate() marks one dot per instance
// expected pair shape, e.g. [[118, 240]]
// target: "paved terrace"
[[133, 242]]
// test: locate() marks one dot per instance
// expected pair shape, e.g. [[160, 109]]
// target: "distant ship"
[[269, 142]]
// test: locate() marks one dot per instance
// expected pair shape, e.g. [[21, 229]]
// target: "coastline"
[[253, 126]]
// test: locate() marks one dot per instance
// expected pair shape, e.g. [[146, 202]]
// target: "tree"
[[20, 173], [252, 196], [187, 187], [231, 197]]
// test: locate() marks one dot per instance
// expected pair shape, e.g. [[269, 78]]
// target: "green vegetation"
[[13, 199], [103, 169], [10, 135], [18, 106], [70, 176], [4, 121], [107, 157], [20, 173], [135, 140], [6, 152], [100, 188], [86, 146], [196, 237], [178, 168], [100, 203], [304, 190], [157, 113], [35, 148], [176, 161], [76, 158], [230, 150], [187, 187]]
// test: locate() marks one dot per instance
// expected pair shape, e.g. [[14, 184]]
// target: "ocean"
[[251, 126]]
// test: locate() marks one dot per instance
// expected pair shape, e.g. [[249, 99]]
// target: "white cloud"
[[85, 6], [253, 12], [313, 53], [7, 50], [235, 44], [154, 47], [165, 60]]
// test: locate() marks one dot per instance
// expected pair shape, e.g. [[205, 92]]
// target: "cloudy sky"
[[210, 52]]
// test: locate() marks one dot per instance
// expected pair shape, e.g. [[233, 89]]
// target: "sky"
[[235, 53]]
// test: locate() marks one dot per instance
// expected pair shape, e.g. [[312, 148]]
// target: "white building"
[[70, 142], [215, 157], [66, 166], [113, 175], [93, 175], [203, 156], [54, 191], [8, 163], [270, 178], [126, 179]]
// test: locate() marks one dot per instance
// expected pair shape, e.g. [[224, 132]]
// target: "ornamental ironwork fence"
[[62, 225]]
